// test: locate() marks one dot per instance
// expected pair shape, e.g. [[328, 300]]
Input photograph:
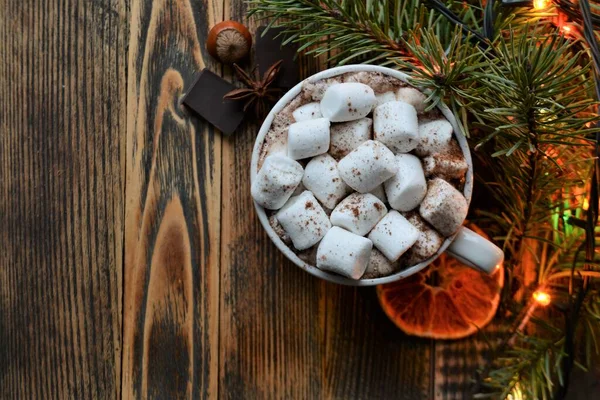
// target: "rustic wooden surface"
[[132, 264], [62, 171]]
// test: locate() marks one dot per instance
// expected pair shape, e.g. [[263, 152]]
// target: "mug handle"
[[475, 251]]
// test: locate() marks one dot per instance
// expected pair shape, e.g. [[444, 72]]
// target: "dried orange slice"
[[446, 300]]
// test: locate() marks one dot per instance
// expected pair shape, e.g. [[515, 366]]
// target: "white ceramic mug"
[[465, 245]]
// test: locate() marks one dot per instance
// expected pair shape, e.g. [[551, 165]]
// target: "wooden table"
[[132, 262]]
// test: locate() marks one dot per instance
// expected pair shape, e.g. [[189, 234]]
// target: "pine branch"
[[532, 366], [545, 83], [527, 370], [538, 125], [351, 28]]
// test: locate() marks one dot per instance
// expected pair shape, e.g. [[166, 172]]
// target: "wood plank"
[[458, 361], [62, 124], [366, 356], [172, 210], [270, 333]]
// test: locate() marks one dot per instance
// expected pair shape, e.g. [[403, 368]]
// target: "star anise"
[[258, 94]]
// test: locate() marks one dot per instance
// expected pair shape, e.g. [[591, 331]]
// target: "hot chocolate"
[[358, 178]]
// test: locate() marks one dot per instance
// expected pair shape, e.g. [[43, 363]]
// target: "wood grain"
[[270, 335], [366, 355], [457, 362], [62, 111], [172, 212]]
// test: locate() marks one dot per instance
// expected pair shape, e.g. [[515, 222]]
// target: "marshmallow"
[[378, 266], [428, 243], [413, 97], [344, 253], [407, 188], [304, 220], [367, 166], [347, 102], [358, 213], [395, 124], [434, 137], [393, 235], [308, 138], [384, 98], [321, 177], [347, 136], [276, 181], [307, 112], [448, 165], [379, 192], [444, 207]]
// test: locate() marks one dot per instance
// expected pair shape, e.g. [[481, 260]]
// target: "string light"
[[516, 394], [566, 29], [541, 297], [561, 20], [540, 4]]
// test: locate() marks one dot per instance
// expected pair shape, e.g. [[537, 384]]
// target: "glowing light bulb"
[[540, 4], [586, 204], [566, 29], [516, 394], [542, 297]]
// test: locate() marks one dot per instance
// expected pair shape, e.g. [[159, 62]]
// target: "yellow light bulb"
[[540, 4], [516, 394], [542, 297]]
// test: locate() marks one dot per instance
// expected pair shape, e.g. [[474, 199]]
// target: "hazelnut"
[[229, 42]]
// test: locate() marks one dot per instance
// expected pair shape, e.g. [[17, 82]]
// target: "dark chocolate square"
[[205, 98], [269, 50]]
